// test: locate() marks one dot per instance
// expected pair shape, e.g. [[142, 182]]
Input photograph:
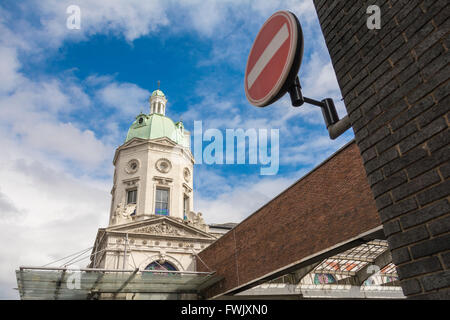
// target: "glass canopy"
[[76, 284], [353, 260], [369, 263]]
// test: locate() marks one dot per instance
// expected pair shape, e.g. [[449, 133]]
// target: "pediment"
[[164, 141], [130, 143], [133, 142], [163, 226]]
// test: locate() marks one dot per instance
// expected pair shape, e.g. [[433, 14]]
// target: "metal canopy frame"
[[302, 267], [50, 283], [356, 265], [350, 264], [350, 268]]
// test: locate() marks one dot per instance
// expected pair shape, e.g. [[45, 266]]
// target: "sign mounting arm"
[[335, 126]]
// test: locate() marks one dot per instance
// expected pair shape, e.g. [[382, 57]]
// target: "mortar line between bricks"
[[418, 190], [379, 102], [441, 261], [433, 74], [425, 141], [410, 106], [422, 275], [420, 260], [384, 47], [442, 85], [424, 207], [408, 246], [395, 146], [402, 32]]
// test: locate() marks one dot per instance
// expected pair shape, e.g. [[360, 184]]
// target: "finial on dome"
[[159, 83]]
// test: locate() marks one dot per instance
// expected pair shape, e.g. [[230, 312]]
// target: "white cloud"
[[129, 19], [51, 197], [238, 198], [319, 78], [126, 98], [45, 214], [313, 148], [55, 172], [31, 116], [9, 65]]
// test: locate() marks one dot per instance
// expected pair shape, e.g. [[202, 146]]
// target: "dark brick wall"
[[395, 85], [330, 205]]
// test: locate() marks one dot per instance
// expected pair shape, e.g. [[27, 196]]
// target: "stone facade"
[[394, 81], [137, 244], [139, 235], [160, 163]]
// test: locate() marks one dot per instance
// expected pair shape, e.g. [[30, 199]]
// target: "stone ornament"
[[132, 166], [163, 165], [119, 210], [161, 228], [122, 212], [131, 182], [163, 180], [187, 174], [196, 220]]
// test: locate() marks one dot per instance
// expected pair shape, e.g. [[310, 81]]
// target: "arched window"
[[324, 278], [161, 266], [155, 265]]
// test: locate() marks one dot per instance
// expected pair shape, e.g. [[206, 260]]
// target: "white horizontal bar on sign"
[[273, 47]]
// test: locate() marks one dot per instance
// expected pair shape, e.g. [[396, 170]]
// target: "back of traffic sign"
[[274, 60]]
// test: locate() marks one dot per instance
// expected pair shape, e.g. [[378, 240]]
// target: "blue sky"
[[67, 98]]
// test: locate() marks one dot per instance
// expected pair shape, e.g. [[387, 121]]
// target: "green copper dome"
[[158, 93], [155, 126]]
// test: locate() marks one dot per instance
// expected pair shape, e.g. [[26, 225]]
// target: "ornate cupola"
[[153, 169], [158, 102]]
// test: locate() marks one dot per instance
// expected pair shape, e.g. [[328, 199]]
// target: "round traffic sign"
[[274, 59]]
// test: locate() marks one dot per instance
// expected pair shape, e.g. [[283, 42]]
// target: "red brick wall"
[[330, 205]]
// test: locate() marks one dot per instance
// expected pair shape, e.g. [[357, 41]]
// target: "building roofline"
[[222, 226], [301, 178]]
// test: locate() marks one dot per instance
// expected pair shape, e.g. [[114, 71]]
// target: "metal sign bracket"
[[335, 126]]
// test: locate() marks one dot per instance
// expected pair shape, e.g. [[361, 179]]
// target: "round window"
[[163, 165], [132, 166], [187, 174]]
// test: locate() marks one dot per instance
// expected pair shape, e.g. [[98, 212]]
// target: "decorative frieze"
[[133, 182], [186, 188], [161, 229], [163, 180]]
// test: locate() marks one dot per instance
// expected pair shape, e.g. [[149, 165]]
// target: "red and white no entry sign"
[[274, 59]]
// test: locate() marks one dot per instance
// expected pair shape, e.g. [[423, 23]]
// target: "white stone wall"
[[147, 178], [141, 251]]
